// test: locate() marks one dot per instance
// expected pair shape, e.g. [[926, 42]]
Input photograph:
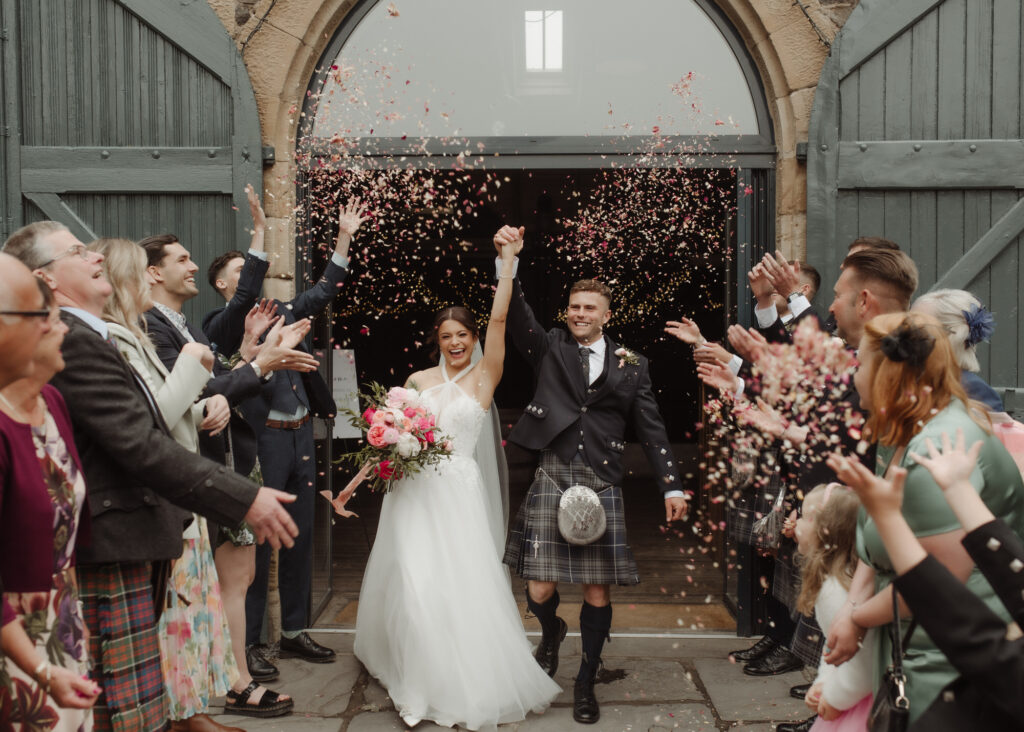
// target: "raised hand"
[[268, 519], [954, 464], [685, 330], [508, 242], [351, 215], [259, 219], [260, 317]]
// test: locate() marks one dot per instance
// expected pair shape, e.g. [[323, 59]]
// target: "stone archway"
[[282, 55]]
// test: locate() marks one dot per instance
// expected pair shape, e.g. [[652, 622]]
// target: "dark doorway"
[[664, 239]]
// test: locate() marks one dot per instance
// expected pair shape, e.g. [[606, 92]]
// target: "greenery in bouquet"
[[401, 435]]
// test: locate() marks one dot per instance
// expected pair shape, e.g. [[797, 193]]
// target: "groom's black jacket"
[[563, 407]]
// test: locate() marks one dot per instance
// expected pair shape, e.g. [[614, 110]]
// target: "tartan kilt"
[[786, 578], [808, 640], [117, 604], [535, 549]]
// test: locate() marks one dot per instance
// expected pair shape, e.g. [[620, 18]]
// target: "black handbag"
[[890, 711]]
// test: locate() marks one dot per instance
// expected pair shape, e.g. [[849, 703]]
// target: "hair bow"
[[908, 343]]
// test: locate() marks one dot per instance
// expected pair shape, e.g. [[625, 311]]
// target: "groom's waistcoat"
[[568, 417]]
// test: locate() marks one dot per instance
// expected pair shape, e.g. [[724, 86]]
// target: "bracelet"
[[44, 666], [506, 277]]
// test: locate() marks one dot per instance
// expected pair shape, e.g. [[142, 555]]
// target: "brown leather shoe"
[[204, 723]]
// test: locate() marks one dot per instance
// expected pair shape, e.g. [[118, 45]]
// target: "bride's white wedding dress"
[[437, 622]]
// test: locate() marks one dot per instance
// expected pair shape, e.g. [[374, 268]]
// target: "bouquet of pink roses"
[[401, 436]]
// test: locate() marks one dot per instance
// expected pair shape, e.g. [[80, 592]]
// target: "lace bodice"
[[459, 416]]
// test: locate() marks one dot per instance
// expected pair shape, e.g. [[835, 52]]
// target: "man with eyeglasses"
[[138, 482]]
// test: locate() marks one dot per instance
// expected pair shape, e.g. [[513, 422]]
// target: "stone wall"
[[282, 41]]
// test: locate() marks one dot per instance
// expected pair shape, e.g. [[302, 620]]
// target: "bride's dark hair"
[[460, 315]]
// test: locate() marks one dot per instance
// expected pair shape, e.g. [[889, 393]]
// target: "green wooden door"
[[127, 118], [916, 135]]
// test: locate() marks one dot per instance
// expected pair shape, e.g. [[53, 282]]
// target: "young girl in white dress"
[[826, 533], [437, 623]]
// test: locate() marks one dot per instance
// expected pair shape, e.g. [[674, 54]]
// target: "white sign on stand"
[[345, 388]]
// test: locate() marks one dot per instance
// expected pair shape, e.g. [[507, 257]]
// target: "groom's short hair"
[[592, 286]]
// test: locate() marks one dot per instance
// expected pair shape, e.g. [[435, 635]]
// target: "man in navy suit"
[[588, 390], [281, 417]]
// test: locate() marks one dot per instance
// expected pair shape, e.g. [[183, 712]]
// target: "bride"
[[437, 623]]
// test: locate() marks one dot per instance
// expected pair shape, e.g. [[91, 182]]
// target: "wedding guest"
[[909, 382], [988, 654], [41, 494], [783, 292], [193, 632], [967, 323], [826, 532], [281, 416], [588, 390], [171, 272], [138, 481]]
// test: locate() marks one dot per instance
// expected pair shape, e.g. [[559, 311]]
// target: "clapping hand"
[[200, 352], [260, 317], [509, 241], [763, 417], [760, 285], [784, 275], [718, 376], [748, 343], [350, 216], [259, 219], [711, 353], [278, 350], [685, 330]]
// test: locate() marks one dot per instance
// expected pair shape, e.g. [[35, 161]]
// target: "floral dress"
[[53, 620], [195, 644]]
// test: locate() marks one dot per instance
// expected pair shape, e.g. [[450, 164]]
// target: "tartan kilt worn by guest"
[[588, 391]]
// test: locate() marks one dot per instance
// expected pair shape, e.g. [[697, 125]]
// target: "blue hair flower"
[[980, 325]]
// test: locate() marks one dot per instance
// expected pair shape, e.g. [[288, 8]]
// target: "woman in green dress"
[[909, 383]]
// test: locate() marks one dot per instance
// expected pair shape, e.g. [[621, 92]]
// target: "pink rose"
[[368, 414], [375, 435], [409, 412], [423, 424], [448, 447], [378, 417], [429, 437]]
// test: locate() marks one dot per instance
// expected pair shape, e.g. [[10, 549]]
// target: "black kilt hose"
[[535, 549]]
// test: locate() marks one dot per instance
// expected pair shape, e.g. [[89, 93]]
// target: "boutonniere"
[[626, 356]]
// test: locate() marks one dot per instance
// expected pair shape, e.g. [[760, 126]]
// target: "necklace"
[[20, 414]]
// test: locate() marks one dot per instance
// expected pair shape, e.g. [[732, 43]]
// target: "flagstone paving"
[[649, 685]]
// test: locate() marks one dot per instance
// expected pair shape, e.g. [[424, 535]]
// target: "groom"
[[588, 389]]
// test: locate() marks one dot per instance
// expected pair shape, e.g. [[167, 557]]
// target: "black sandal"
[[270, 705]]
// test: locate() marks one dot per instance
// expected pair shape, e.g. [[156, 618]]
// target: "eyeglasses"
[[73, 250], [27, 313]]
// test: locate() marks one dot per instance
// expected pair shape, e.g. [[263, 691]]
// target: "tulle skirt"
[[854, 719], [437, 623]]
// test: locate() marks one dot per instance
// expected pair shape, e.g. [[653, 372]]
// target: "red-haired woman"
[[909, 382]]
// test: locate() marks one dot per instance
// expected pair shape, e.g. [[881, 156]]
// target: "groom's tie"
[[585, 363]]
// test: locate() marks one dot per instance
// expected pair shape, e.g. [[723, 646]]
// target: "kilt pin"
[[579, 429]]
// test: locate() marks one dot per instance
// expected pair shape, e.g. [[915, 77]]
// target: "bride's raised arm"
[[508, 241]]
